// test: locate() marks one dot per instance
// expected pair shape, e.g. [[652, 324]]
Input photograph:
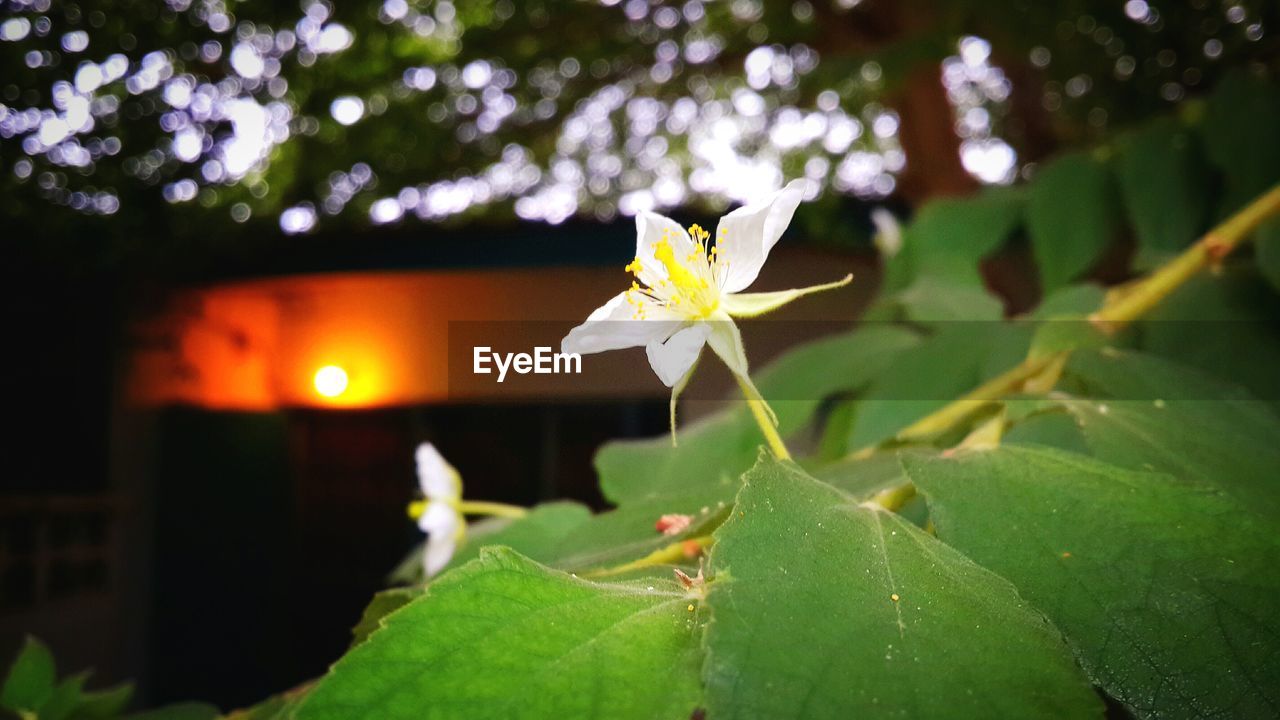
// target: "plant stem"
[[947, 416], [480, 507], [667, 555], [761, 414], [1210, 249]]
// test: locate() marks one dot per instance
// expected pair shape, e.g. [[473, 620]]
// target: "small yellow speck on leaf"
[[894, 597], [690, 607], [1066, 555]]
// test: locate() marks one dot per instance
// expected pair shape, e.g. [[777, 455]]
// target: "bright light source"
[[331, 381]]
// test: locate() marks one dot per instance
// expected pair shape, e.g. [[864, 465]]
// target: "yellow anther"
[[633, 267], [417, 508]]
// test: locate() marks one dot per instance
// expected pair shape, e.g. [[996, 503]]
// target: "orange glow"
[[331, 381], [264, 344]]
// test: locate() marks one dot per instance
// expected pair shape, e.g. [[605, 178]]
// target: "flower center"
[[689, 287]]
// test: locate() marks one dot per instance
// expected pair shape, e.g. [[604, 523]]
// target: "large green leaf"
[[1165, 186], [823, 608], [1071, 217], [1239, 135], [503, 637], [31, 678], [1165, 588], [713, 453]]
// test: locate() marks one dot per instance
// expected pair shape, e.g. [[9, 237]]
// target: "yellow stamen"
[[680, 276], [416, 508]]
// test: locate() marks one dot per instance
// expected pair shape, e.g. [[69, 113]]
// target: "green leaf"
[[1070, 301], [537, 535], [1233, 309], [948, 239], [822, 608], [65, 699], [383, 604], [107, 703], [31, 678], [1146, 413], [504, 637], [714, 453], [1071, 217], [1164, 183], [1239, 135], [1267, 253], [1053, 428], [1231, 445], [932, 299], [1165, 588]]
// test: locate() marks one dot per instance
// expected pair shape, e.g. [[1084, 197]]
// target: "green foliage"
[[1239, 130], [1071, 217], [31, 691], [31, 679], [504, 637], [1165, 588], [824, 608], [1163, 180]]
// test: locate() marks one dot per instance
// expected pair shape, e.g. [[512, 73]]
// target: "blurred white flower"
[[888, 237], [438, 514], [692, 291]]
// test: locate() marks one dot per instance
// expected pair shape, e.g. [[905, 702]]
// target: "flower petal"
[[745, 236], [672, 359], [753, 304], [438, 553], [436, 477], [440, 518], [651, 229], [614, 326]]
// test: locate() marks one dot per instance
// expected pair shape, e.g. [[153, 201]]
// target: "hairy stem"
[[760, 412]]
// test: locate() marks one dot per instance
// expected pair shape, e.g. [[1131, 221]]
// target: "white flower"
[[689, 290], [440, 516], [888, 237]]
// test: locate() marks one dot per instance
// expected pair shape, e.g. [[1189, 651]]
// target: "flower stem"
[[480, 507], [760, 411]]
